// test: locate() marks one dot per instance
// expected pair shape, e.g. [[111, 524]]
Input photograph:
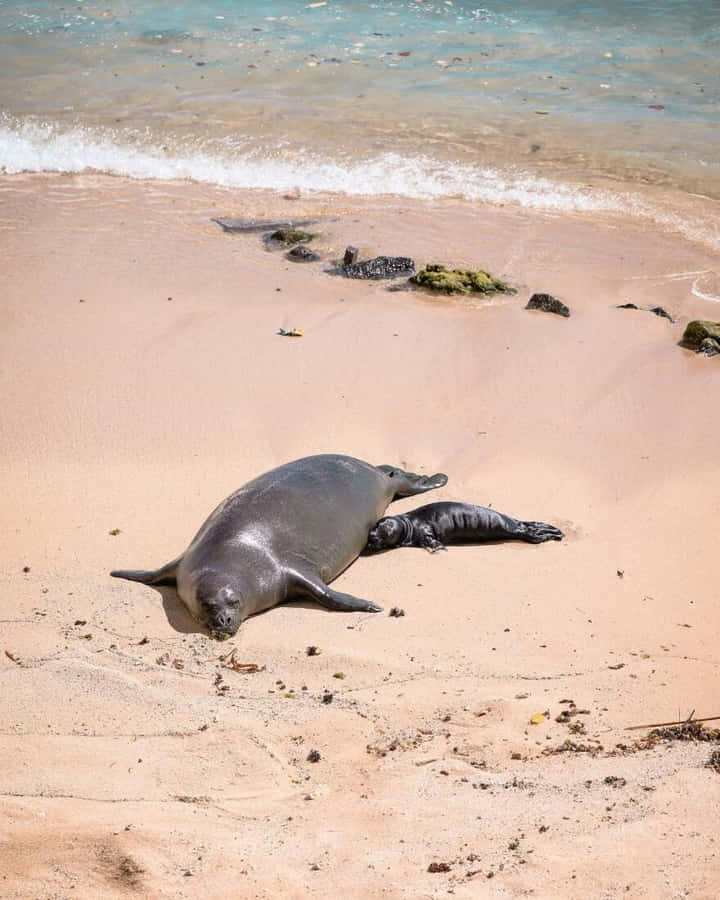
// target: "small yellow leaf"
[[319, 3], [537, 719]]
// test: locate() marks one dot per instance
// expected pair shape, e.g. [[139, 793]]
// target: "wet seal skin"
[[284, 536], [437, 524]]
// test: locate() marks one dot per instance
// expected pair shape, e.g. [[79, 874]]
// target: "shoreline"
[[133, 411]]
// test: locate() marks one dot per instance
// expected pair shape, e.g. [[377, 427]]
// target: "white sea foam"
[[30, 146]]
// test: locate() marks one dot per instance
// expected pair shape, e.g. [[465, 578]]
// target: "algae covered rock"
[[290, 236], [548, 303], [702, 337], [459, 281]]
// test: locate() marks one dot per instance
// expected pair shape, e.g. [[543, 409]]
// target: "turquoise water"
[[510, 102]]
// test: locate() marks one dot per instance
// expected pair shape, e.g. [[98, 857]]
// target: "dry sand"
[[128, 769]]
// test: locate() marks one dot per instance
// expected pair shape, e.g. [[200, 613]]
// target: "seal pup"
[[284, 536], [437, 524]]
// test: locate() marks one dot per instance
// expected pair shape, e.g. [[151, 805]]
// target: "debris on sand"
[[438, 867], [228, 661]]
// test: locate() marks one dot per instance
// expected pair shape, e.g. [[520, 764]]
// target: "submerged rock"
[[380, 267], [459, 281], [702, 337], [301, 253], [548, 303], [249, 226]]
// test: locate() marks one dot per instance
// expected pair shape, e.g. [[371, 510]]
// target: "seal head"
[[219, 606], [389, 532]]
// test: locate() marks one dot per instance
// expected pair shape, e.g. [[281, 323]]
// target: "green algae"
[[697, 331], [437, 277], [289, 236]]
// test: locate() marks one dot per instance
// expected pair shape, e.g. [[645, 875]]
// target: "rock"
[[380, 267], [709, 347], [249, 226], [548, 303], [301, 253], [436, 277], [351, 255], [438, 867], [659, 311], [702, 337], [289, 236]]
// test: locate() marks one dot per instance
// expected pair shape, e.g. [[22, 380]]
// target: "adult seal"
[[437, 524], [284, 536]]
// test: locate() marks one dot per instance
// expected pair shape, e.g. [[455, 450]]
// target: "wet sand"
[[143, 380]]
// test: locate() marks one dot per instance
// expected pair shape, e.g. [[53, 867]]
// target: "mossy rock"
[[289, 236], [698, 331], [436, 277]]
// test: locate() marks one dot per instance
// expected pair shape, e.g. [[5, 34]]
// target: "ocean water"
[[554, 104]]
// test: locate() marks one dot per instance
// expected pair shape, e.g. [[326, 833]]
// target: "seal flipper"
[[407, 484], [303, 587], [166, 575]]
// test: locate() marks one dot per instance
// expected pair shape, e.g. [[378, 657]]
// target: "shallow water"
[[554, 104]]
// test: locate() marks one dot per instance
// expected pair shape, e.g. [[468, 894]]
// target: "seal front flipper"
[[303, 587], [407, 484], [166, 575]]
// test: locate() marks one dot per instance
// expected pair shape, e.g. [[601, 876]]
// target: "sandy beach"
[[143, 380]]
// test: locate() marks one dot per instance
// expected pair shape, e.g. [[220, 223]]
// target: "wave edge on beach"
[[34, 146]]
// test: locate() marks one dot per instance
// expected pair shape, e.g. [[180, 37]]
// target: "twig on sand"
[[229, 662], [669, 724]]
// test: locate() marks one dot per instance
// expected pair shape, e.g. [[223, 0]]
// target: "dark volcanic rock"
[[351, 255], [250, 226], [659, 311], [301, 253], [548, 303], [702, 337], [380, 267], [709, 347]]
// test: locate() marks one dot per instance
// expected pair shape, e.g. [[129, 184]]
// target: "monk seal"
[[437, 524], [284, 536]]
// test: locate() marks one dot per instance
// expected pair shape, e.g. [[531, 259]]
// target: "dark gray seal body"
[[284, 536], [437, 524]]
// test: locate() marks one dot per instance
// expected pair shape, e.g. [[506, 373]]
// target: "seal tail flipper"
[[166, 575], [407, 484]]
